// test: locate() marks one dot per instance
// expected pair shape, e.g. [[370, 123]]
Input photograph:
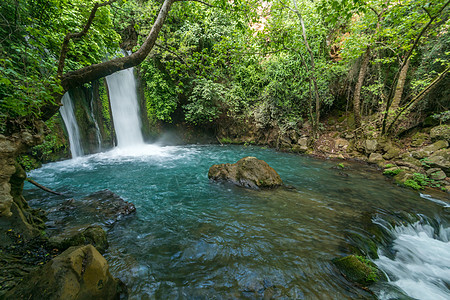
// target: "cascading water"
[[99, 138], [68, 115], [420, 265], [124, 107]]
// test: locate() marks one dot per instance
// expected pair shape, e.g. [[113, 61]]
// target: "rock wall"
[[14, 210], [88, 106]]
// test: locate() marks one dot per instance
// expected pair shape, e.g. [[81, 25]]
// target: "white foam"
[[428, 197], [421, 267]]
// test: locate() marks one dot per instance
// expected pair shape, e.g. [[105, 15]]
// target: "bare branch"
[[428, 13], [42, 187]]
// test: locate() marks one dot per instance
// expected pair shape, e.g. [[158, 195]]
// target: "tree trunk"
[[400, 86], [313, 70], [407, 57], [359, 84], [413, 102]]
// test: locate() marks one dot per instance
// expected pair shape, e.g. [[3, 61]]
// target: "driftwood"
[[43, 187]]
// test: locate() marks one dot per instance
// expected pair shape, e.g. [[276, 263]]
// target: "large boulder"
[[247, 172], [441, 132], [78, 273]]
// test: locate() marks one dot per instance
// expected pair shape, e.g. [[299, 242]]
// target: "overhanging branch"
[[69, 36]]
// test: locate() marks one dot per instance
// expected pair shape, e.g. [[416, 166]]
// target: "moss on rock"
[[94, 235], [358, 269], [78, 273]]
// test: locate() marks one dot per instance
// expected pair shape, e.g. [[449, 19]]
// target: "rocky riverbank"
[[67, 263], [419, 159]]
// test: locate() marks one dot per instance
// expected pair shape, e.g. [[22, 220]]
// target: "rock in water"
[[78, 273], [93, 235], [358, 269], [248, 172]]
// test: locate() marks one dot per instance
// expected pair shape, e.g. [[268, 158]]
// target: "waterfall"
[[68, 115], [97, 128], [124, 108], [419, 261]]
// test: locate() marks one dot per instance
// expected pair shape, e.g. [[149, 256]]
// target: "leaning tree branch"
[[408, 55], [69, 36], [413, 102], [93, 72]]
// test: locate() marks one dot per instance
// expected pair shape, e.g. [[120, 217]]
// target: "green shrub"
[[413, 184], [392, 172]]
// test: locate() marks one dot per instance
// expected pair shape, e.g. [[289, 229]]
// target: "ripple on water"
[[193, 238]]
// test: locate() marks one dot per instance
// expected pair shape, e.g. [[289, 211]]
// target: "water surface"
[[195, 239]]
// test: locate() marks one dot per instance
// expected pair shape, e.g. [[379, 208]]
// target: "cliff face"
[[14, 210]]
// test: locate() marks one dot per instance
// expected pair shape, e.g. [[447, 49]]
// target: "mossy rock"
[[441, 132], [402, 176], [418, 139], [248, 172], [78, 273], [391, 152], [94, 235], [392, 171], [299, 149], [358, 269], [362, 245]]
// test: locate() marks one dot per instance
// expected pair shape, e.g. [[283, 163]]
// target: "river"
[[194, 239]]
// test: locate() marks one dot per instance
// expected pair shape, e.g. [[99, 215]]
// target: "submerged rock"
[[358, 269], [78, 273], [94, 235], [248, 172], [109, 205]]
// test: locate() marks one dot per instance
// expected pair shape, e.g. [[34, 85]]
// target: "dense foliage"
[[31, 35], [261, 61]]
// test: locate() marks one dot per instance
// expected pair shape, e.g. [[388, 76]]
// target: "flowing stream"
[[418, 261], [124, 108], [194, 239], [70, 121]]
